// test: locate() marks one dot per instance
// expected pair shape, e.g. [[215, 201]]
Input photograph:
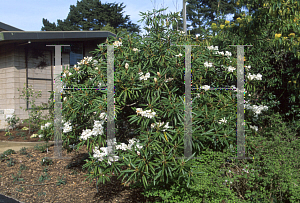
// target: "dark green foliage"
[[46, 161], [93, 15]]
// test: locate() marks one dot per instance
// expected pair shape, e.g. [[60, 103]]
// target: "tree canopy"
[[202, 12], [90, 15]]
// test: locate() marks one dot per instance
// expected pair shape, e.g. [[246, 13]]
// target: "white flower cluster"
[[257, 77], [66, 72], [206, 87], [227, 53], [135, 49], [213, 48], [248, 67], [206, 64], [99, 155], [117, 43], [254, 127], [67, 127], [230, 68], [257, 109], [46, 125], [85, 60], [144, 77], [216, 48], [161, 124], [146, 113], [97, 130]]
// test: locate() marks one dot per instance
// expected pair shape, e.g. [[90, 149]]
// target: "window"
[[76, 53]]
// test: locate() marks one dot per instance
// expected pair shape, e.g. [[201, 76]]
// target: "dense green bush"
[[280, 87], [273, 174]]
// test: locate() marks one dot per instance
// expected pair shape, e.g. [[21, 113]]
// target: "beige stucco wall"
[[13, 76], [7, 82]]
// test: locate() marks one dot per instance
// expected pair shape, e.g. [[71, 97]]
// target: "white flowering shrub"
[[149, 94]]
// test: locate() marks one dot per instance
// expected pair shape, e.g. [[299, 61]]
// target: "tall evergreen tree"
[[93, 15], [201, 12]]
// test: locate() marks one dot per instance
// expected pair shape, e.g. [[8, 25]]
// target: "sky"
[[28, 14]]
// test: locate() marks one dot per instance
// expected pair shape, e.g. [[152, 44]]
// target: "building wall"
[[13, 76], [7, 83]]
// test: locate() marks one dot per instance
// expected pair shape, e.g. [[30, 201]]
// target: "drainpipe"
[[26, 65]]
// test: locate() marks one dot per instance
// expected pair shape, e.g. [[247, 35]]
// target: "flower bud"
[[158, 74], [155, 80]]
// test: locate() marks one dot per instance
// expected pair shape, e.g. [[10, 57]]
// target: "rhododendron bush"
[[149, 98]]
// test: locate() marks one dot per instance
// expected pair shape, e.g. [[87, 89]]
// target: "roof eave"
[[55, 35]]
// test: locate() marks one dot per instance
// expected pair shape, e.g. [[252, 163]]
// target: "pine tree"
[[90, 15]]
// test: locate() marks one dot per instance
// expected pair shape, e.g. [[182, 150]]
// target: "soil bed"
[[29, 186]]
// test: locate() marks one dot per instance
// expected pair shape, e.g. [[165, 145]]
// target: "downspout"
[[26, 66]]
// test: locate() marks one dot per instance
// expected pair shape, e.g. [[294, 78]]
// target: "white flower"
[[138, 153], [222, 120], [117, 43], [228, 53], [259, 76], [212, 48], [247, 67], [179, 55], [147, 75], [254, 127], [206, 87], [48, 125], [33, 135], [231, 69], [135, 49], [126, 66], [161, 124], [123, 146], [251, 77], [144, 77], [206, 64], [86, 134], [40, 136], [102, 116], [221, 53], [147, 113]]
